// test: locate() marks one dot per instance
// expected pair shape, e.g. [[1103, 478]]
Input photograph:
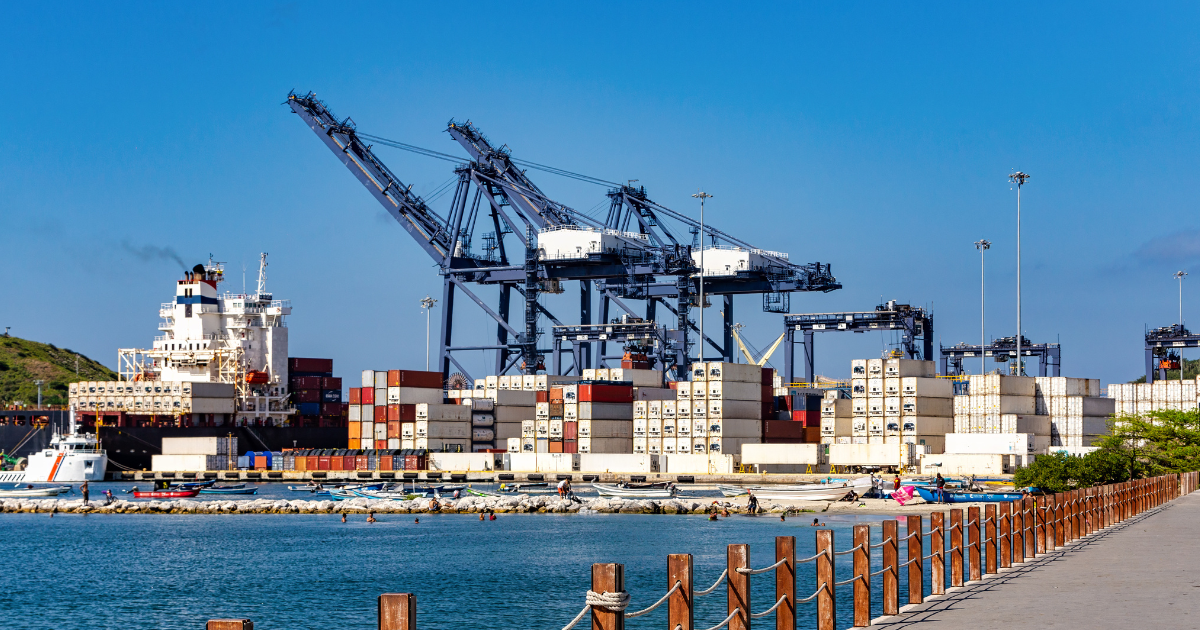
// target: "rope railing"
[[850, 581], [811, 558], [881, 543], [727, 620], [745, 571], [813, 596], [882, 571], [850, 550], [656, 604], [586, 610], [770, 610], [910, 561], [714, 586]]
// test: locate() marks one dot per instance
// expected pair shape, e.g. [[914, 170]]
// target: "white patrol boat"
[[72, 457]]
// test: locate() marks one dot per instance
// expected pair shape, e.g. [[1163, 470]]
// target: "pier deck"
[[1144, 572]]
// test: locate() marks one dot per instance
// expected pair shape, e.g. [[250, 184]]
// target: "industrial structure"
[[912, 323], [501, 230], [1003, 350], [1162, 349]]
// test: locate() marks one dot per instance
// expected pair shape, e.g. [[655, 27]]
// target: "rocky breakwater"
[[522, 504]]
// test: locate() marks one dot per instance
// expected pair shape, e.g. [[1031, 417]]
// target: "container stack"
[[726, 402], [513, 401], [383, 412], [1078, 415], [484, 435], [836, 417], [196, 453], [603, 412], [316, 392], [1139, 399], [1006, 409], [859, 402], [926, 405], [204, 404]]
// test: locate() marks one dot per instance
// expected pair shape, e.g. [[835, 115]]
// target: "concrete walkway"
[[1142, 573]]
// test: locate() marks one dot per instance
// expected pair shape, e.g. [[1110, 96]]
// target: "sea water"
[[527, 571]]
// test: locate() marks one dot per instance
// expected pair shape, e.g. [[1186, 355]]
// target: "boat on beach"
[[961, 496], [166, 494], [19, 492], [811, 492], [232, 489], [636, 491]]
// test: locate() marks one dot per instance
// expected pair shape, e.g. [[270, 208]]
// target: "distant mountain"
[[23, 361]]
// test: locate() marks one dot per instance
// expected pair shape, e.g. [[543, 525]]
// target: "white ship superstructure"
[[71, 457], [235, 338]]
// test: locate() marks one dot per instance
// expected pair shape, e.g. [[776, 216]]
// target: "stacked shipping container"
[[383, 411], [316, 392]]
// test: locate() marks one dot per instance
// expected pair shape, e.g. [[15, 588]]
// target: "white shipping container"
[[858, 368], [858, 388], [837, 408], [699, 427], [875, 426], [699, 410], [640, 427], [858, 406], [875, 368], [639, 378], [927, 387], [367, 430], [740, 372], [875, 406], [654, 427], [670, 409], [556, 429], [668, 427], [514, 445], [996, 443], [541, 429], [605, 411], [639, 445], [654, 409], [641, 409], [528, 428], [683, 391], [836, 426], [735, 409], [368, 379], [408, 430], [380, 430], [699, 390], [189, 462], [908, 367], [427, 411], [732, 390], [891, 386], [542, 410], [199, 445], [874, 387], [922, 406], [891, 406], [699, 445], [602, 374]]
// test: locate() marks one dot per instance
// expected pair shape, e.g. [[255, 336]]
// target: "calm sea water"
[[312, 571]]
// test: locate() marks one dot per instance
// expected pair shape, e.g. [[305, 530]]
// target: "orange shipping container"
[[414, 378], [393, 432], [556, 446], [543, 396], [355, 395], [260, 462], [556, 394], [355, 442], [380, 445], [385, 462], [300, 464], [355, 430]]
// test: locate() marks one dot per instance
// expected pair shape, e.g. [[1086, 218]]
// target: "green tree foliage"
[[1163, 442], [22, 362]]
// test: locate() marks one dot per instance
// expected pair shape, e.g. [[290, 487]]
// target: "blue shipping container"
[[331, 395], [309, 409]]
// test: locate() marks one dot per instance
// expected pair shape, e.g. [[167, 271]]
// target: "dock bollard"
[[397, 611], [956, 547], [679, 607], [862, 573], [826, 601], [937, 548], [607, 578], [737, 586], [974, 545], [989, 537], [785, 583], [916, 560], [1005, 539], [891, 570], [229, 624]]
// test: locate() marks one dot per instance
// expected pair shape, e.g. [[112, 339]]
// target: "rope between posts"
[[656, 604], [745, 571], [714, 586], [881, 571], [882, 543], [811, 597], [613, 602], [910, 536], [727, 620], [810, 558], [769, 610], [850, 550], [845, 582], [954, 526], [930, 556], [577, 618], [910, 561]]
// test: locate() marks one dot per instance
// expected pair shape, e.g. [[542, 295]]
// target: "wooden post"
[[989, 538], [229, 624], [1029, 520], [785, 583], [1060, 530], [608, 578], [916, 559], [937, 547], [826, 602], [1040, 537], [1005, 538], [1018, 531], [1069, 506], [737, 587], [891, 563], [862, 571], [1077, 515], [956, 547], [974, 545], [679, 606], [397, 611]]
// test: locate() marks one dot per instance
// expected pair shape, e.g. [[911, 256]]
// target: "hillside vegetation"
[[23, 361]]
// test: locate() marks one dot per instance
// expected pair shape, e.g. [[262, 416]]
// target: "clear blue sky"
[[876, 137]]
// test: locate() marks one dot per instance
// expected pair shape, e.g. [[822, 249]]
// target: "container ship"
[[218, 368]]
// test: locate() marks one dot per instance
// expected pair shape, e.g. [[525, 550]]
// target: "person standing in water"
[[84, 489]]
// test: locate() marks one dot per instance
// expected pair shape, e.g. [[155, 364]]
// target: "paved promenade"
[[1144, 573]]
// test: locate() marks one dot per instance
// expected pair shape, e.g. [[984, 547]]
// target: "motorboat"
[[635, 491], [72, 457], [166, 494], [528, 488], [239, 488], [961, 496], [824, 491], [28, 492], [197, 484]]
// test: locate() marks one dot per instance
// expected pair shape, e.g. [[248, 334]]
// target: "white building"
[[236, 338]]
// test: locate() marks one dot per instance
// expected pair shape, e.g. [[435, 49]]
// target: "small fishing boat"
[[959, 496], [194, 484], [528, 488], [813, 491], [166, 494], [233, 489], [635, 491], [19, 492], [732, 491]]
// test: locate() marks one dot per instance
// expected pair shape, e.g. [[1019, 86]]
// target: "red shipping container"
[[570, 431], [543, 396], [570, 446], [297, 364], [331, 382], [360, 462], [402, 413], [348, 461], [306, 382], [768, 377], [335, 461], [768, 394], [556, 394], [344, 412], [307, 395], [385, 462], [393, 430], [673, 384], [368, 396], [380, 445], [606, 393], [413, 378], [381, 413], [355, 395], [331, 410]]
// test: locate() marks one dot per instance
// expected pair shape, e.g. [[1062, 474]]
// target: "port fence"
[[987, 540]]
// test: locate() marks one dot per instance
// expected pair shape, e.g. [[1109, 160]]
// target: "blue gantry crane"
[[496, 204], [1002, 350]]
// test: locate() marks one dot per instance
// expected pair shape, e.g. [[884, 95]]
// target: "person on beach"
[[370, 517], [941, 488], [84, 489], [752, 503], [783, 517], [562, 489], [896, 484]]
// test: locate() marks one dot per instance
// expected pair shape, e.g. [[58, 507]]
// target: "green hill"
[[23, 361]]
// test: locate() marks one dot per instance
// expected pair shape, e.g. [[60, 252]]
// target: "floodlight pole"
[[701, 195], [982, 245], [1019, 178]]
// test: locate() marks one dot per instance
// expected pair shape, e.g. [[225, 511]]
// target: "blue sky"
[[873, 137]]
